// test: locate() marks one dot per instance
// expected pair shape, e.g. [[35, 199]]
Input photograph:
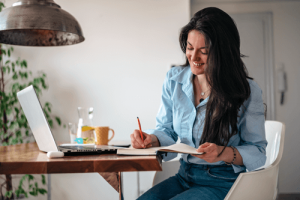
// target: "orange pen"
[[140, 129]]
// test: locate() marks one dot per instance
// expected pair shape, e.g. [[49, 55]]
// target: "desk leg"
[[120, 186], [115, 180]]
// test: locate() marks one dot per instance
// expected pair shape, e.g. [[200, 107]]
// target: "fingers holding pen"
[[137, 142], [147, 140]]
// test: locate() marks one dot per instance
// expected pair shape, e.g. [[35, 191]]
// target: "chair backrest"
[[273, 136], [262, 184]]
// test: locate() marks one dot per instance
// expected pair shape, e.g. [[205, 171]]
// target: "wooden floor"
[[288, 197]]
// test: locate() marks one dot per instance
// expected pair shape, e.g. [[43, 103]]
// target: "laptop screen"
[[36, 119]]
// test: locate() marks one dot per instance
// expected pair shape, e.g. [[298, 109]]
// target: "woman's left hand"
[[211, 152]]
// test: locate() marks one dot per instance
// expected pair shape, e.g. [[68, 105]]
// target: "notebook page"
[[132, 151], [180, 148]]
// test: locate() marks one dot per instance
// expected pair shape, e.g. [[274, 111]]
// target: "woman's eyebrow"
[[200, 47]]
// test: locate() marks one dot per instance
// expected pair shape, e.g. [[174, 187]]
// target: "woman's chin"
[[197, 70]]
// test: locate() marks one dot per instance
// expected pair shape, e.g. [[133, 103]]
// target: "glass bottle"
[[85, 119]]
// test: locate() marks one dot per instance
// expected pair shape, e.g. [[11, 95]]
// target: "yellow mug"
[[102, 135]]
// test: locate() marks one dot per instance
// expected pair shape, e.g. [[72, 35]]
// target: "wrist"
[[154, 141], [230, 156], [227, 155], [222, 152]]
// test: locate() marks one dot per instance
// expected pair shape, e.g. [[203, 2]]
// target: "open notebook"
[[175, 148]]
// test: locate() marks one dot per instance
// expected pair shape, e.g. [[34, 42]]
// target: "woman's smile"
[[198, 64]]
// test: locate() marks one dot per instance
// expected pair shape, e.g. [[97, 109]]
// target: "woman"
[[211, 104]]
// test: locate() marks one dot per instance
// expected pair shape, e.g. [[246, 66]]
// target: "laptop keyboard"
[[77, 147], [88, 149]]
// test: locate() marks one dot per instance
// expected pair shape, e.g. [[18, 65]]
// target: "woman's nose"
[[195, 57]]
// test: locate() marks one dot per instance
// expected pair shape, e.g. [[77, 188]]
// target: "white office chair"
[[258, 185]]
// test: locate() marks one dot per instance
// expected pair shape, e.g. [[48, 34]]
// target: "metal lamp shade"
[[38, 23]]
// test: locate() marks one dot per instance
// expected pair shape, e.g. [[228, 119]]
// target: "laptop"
[[41, 131]]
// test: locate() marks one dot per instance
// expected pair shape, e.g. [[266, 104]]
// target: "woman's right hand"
[[149, 140]]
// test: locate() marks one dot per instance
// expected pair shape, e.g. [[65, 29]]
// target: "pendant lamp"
[[38, 23]]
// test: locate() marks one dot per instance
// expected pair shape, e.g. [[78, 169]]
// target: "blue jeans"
[[204, 182]]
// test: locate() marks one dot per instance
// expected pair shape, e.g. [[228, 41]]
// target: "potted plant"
[[14, 129]]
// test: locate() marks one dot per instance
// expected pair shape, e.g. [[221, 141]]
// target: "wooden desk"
[[27, 159]]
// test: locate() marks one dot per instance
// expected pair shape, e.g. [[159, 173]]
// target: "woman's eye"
[[190, 48], [204, 51]]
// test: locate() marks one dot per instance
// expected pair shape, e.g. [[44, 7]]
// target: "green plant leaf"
[[8, 69], [8, 52], [15, 87], [58, 120], [13, 125], [42, 191], [50, 121], [14, 141], [23, 63], [48, 108], [33, 193], [4, 144], [18, 133], [3, 51], [7, 62], [43, 83], [15, 76], [26, 194], [8, 193], [43, 179], [1, 6], [8, 111], [17, 110], [21, 74], [30, 177]]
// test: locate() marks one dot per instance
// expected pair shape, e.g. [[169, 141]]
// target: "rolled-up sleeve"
[[164, 120], [251, 126]]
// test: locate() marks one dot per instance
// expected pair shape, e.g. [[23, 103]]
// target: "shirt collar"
[[184, 77]]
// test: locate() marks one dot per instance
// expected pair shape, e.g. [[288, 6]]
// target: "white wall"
[[286, 17], [119, 70]]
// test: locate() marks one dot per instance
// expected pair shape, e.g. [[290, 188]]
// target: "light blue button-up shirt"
[[178, 117]]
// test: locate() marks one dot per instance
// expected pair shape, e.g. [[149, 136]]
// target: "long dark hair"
[[225, 73]]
